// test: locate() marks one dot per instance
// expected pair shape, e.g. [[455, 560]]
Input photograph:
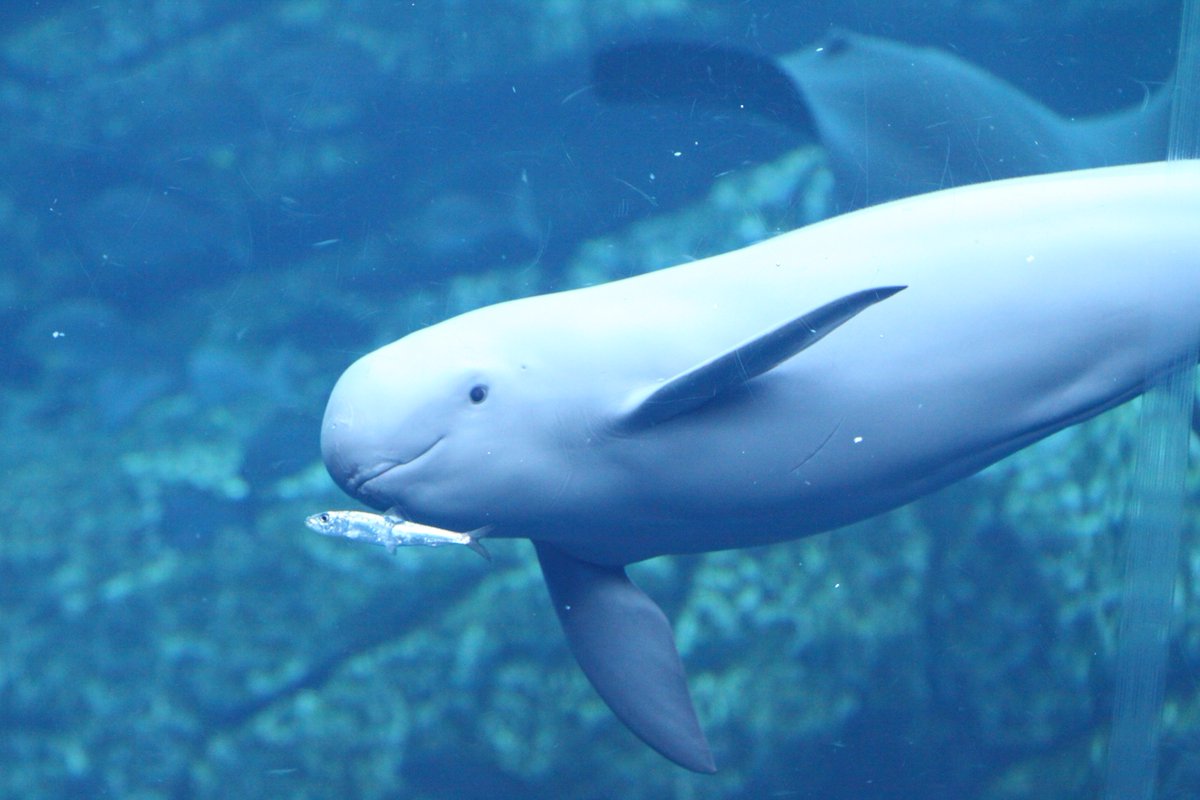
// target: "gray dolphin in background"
[[896, 119], [797, 385]]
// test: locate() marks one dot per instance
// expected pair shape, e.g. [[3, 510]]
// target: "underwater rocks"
[[141, 240], [173, 146], [216, 643]]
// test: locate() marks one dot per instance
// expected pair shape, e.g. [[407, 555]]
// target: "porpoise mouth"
[[361, 478]]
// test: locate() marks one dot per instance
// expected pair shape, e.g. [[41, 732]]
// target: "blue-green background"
[[208, 209]]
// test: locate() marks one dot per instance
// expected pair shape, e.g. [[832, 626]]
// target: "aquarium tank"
[[210, 210]]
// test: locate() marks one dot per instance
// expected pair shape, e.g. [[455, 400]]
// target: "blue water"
[[208, 210]]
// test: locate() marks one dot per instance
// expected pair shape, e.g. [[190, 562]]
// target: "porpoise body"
[[800, 384], [896, 119]]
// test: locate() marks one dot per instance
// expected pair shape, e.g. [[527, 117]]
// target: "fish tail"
[[478, 547], [473, 542]]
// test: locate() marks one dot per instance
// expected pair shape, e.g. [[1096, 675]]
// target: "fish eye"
[[324, 516], [478, 393]]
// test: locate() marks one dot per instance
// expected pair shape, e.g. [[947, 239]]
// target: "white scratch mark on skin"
[[819, 448]]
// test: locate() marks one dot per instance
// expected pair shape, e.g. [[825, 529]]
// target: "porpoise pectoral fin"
[[624, 645], [700, 384]]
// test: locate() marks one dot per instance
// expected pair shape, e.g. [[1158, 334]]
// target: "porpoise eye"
[[478, 393]]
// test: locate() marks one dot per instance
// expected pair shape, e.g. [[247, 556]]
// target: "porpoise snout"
[[375, 420], [341, 448], [357, 429]]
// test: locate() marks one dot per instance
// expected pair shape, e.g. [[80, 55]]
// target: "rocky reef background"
[[208, 209]]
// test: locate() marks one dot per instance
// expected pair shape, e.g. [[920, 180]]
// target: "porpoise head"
[[448, 425]]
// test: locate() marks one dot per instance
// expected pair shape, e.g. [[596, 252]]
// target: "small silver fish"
[[391, 530]]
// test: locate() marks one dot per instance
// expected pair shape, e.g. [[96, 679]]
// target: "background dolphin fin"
[[624, 644], [1131, 135], [721, 78], [700, 384]]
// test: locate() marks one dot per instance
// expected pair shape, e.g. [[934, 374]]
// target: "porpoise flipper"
[[895, 119], [700, 384], [722, 78], [623, 643]]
